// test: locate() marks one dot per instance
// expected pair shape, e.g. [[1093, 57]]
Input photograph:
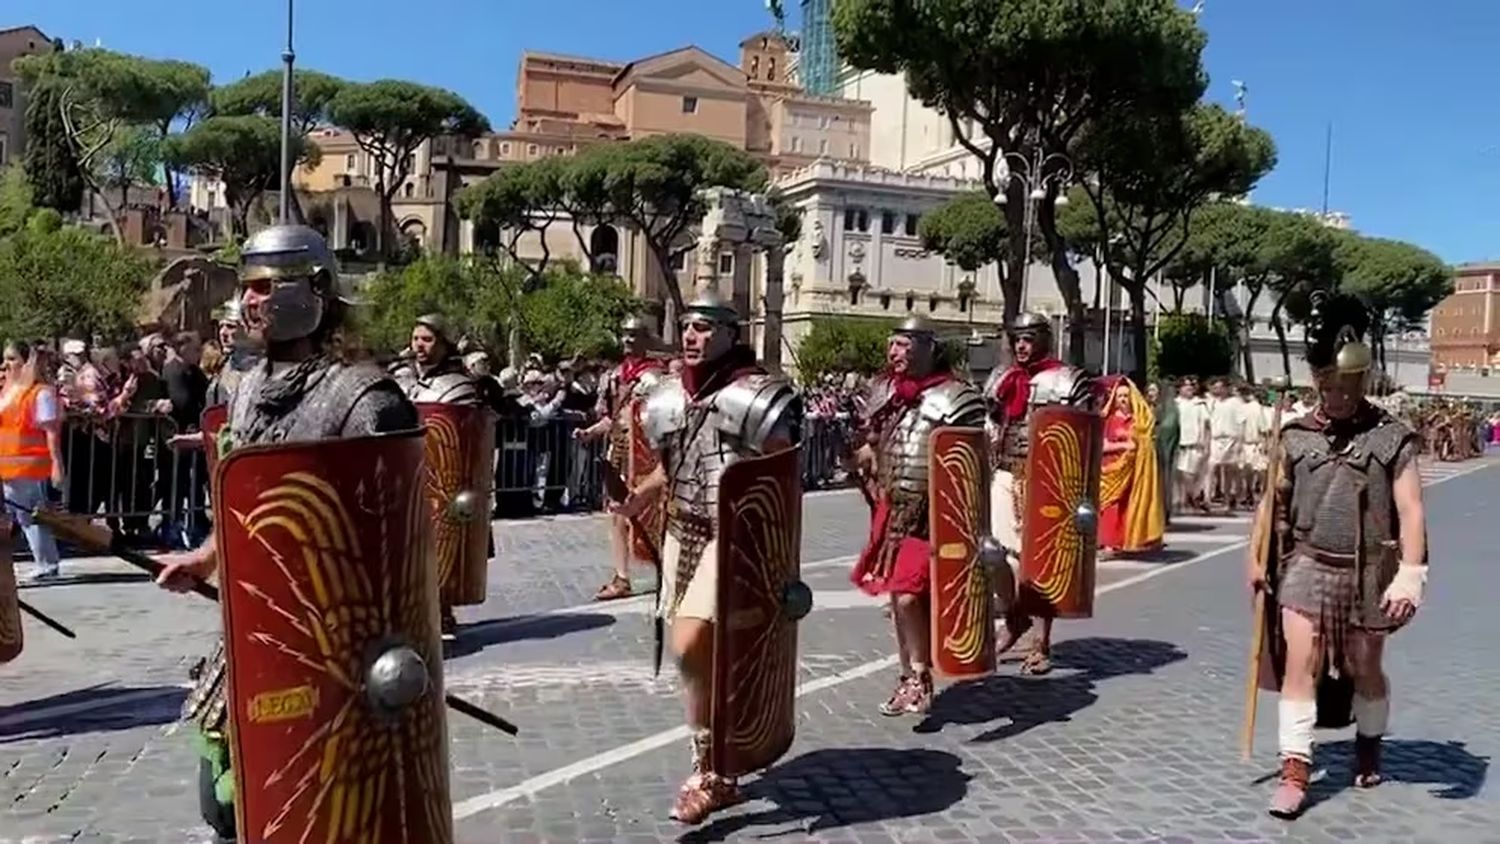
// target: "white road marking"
[[1172, 538], [598, 762]]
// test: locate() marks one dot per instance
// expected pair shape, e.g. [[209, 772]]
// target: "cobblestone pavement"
[[1132, 738]]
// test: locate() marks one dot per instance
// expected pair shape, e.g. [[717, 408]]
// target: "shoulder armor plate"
[[665, 412], [752, 406], [1061, 385], [880, 392], [953, 403]]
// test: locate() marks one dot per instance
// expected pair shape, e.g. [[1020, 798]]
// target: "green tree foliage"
[[1398, 282], [51, 163], [841, 344], [260, 95], [1150, 175], [133, 158], [15, 200], [1026, 80], [390, 119], [1188, 345], [471, 292], [312, 93], [968, 230], [103, 96], [516, 201], [656, 184], [571, 313], [67, 281], [244, 153]]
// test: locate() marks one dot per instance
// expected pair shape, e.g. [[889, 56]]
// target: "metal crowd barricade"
[[123, 470], [540, 467]]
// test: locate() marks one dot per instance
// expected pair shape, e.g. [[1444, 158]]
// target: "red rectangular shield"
[[326, 571], [761, 598], [12, 638], [963, 603], [460, 443], [210, 423], [645, 542], [1059, 526]]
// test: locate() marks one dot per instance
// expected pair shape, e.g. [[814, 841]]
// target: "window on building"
[[7, 95], [862, 223], [912, 222], [822, 121], [823, 146], [689, 105], [479, 149], [771, 68], [4, 149], [349, 163], [409, 190], [849, 217], [796, 143], [677, 262], [726, 262], [911, 302], [755, 67], [531, 150], [854, 151], [505, 149]]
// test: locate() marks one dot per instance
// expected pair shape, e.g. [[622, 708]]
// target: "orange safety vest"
[[23, 445]]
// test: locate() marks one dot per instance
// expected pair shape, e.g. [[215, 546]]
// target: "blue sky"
[[1404, 83]]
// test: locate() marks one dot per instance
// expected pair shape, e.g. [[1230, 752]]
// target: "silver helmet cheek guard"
[[293, 310]]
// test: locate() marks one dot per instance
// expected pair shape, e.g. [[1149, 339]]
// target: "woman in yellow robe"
[[1131, 517]]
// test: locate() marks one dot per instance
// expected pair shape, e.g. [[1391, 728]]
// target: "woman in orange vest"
[[30, 448]]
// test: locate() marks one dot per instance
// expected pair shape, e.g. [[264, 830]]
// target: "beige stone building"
[[1466, 325], [14, 43]]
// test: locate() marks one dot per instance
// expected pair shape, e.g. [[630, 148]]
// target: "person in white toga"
[[1256, 423], [1192, 445], [1226, 427]]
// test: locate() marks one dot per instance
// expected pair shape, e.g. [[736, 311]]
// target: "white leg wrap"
[[1371, 715], [1297, 718]]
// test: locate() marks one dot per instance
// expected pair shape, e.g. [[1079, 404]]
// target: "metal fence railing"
[[124, 471]]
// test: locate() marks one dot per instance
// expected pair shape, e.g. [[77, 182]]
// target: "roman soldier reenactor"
[[320, 552], [460, 463], [621, 395], [1347, 564], [916, 398], [726, 432], [1045, 487]]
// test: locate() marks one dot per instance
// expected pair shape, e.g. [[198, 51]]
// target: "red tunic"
[[892, 562]]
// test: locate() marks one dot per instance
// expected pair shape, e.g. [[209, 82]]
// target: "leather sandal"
[[617, 587]]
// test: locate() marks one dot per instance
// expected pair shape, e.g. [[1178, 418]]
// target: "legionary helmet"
[[228, 313], [438, 325], [1034, 327], [923, 337], [303, 276], [709, 306]]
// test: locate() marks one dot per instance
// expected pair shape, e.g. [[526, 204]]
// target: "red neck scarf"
[[707, 378], [908, 388], [633, 366], [1014, 389]]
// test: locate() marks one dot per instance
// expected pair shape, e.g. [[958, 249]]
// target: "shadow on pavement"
[[473, 638], [102, 708], [1163, 556], [1453, 772], [827, 789], [1078, 666]]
